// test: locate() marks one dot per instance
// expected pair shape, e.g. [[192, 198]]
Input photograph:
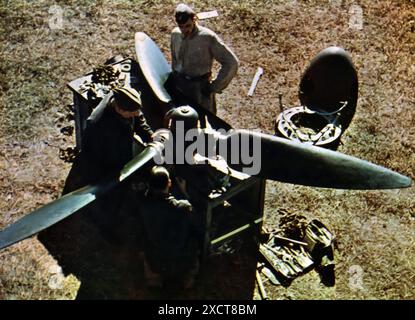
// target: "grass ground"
[[41, 53]]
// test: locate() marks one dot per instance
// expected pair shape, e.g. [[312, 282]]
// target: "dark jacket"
[[170, 234], [106, 147], [107, 143]]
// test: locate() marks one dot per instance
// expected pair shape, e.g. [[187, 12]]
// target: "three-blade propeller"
[[278, 159]]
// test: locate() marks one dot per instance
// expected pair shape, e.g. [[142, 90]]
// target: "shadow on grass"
[[109, 271]]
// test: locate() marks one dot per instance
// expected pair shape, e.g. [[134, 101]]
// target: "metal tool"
[[258, 74], [207, 15], [261, 286]]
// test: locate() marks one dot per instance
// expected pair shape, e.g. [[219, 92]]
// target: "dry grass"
[[375, 230]]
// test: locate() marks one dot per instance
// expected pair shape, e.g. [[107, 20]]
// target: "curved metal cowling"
[[292, 162], [48, 215], [329, 79]]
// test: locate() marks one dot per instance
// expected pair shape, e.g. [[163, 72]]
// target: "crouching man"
[[171, 238]]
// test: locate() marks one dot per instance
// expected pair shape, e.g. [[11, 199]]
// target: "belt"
[[205, 76]]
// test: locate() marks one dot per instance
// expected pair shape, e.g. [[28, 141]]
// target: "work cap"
[[128, 98], [183, 13], [159, 178]]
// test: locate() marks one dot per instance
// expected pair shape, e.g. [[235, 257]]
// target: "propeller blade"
[[70, 203], [153, 64], [140, 160], [292, 162]]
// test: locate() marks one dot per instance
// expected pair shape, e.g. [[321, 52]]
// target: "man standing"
[[193, 50]]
